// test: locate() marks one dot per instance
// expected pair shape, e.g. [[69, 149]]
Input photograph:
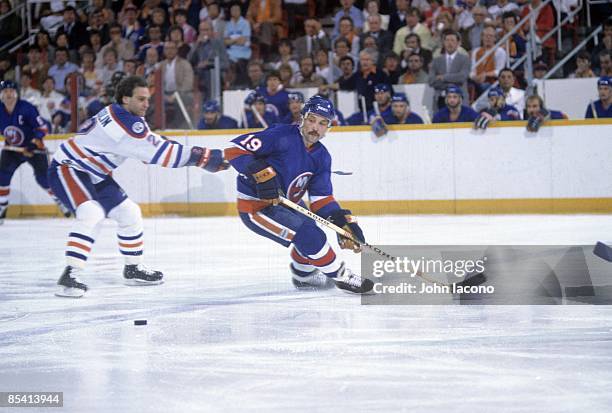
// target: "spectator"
[[177, 76], [347, 31], [276, 96], [348, 79], [154, 33], [255, 73], [62, 68], [430, 15], [213, 119], [26, 91], [124, 48], [237, 39], [391, 68], [159, 18], [111, 65], [601, 108], [415, 73], [61, 41], [370, 45], [372, 8], [264, 15], [175, 35], [130, 66], [443, 21], [131, 28], [73, 28], [217, 20], [10, 25], [537, 114], [412, 26], [398, 17], [307, 77], [400, 111], [294, 115], [384, 39], [516, 44], [95, 42], [285, 56], [449, 69], [605, 63], [257, 103], [545, 22], [464, 15], [348, 10], [367, 77], [413, 45], [148, 8], [203, 55], [502, 6], [514, 96], [286, 74], [539, 69], [454, 111], [47, 51], [92, 77], [474, 33], [484, 72], [36, 66], [50, 99], [583, 66], [323, 68], [342, 49], [314, 39], [96, 22], [604, 44], [189, 33], [151, 63]]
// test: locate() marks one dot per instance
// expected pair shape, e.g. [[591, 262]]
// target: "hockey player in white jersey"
[[80, 175]]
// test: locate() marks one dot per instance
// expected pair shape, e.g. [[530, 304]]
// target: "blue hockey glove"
[[534, 122], [485, 117], [208, 159], [379, 127], [348, 222], [266, 184]]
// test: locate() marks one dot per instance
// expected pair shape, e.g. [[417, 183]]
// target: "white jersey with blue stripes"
[[106, 140]]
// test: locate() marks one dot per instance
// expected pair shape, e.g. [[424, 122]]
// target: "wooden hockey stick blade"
[[603, 251], [22, 149]]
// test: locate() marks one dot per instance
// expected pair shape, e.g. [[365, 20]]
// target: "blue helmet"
[[319, 106], [604, 81], [399, 97], [8, 84], [253, 97], [211, 106], [495, 92], [382, 87], [454, 89], [297, 95]]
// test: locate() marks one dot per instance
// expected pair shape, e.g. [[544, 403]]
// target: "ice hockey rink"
[[227, 331]]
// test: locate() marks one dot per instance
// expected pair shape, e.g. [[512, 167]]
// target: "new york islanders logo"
[[298, 186], [13, 136]]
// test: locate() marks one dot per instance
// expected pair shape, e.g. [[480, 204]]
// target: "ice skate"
[[138, 274], [351, 282], [314, 280], [65, 211], [69, 284]]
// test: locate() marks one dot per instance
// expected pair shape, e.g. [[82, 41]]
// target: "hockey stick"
[[378, 125], [593, 109], [179, 100], [603, 251], [426, 117], [304, 211], [23, 150], [363, 110], [259, 118]]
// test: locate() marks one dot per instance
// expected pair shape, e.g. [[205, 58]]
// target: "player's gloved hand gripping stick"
[[266, 184]]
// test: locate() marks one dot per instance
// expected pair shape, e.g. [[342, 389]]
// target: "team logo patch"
[[138, 127], [298, 186], [13, 136]]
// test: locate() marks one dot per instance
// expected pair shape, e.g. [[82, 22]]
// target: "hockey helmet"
[[319, 106]]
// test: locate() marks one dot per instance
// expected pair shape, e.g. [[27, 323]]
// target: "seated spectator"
[[605, 63], [348, 10], [36, 66], [96, 22], [237, 39], [400, 111], [151, 63], [391, 68], [110, 66], [412, 26], [95, 42], [26, 91], [256, 75], [257, 113], [296, 103], [367, 77], [216, 19], [314, 39], [398, 16], [124, 48], [342, 49], [47, 51], [213, 119], [264, 15], [154, 35], [539, 69], [93, 79], [454, 111], [583, 67], [131, 28], [371, 47], [50, 99], [285, 56], [203, 55], [413, 45], [502, 6], [130, 66], [175, 35], [276, 96], [160, 19], [372, 8], [307, 77], [189, 33], [384, 39], [474, 33], [177, 76], [61, 41], [484, 73], [323, 68], [514, 96], [516, 44], [73, 28], [449, 69], [414, 73], [286, 74], [348, 78], [382, 98], [537, 114], [601, 108], [62, 68]]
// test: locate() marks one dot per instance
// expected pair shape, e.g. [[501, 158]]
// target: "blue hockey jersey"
[[279, 100], [22, 125], [467, 114], [413, 118], [299, 169], [509, 112], [599, 110], [223, 122], [269, 117]]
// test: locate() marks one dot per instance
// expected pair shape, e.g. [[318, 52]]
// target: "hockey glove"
[[485, 117], [208, 159], [266, 184], [33, 146], [534, 122], [348, 222], [379, 127]]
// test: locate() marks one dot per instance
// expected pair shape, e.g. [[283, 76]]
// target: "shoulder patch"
[[138, 127]]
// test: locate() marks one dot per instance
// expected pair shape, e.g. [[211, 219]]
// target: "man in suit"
[[74, 29], [384, 39], [451, 68], [314, 39], [178, 77]]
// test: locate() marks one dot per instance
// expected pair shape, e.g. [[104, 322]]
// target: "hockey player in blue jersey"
[[23, 131], [81, 176], [454, 111], [290, 160], [276, 97], [296, 103], [537, 113], [213, 119], [601, 108], [498, 110], [382, 98], [400, 111], [257, 113]]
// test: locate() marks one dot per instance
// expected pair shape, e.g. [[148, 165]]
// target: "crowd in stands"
[[274, 46]]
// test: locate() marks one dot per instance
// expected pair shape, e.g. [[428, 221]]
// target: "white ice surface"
[[227, 332]]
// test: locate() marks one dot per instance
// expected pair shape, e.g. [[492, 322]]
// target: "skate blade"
[[69, 292], [141, 283], [303, 286]]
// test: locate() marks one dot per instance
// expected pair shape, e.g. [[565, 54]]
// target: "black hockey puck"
[[140, 322]]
